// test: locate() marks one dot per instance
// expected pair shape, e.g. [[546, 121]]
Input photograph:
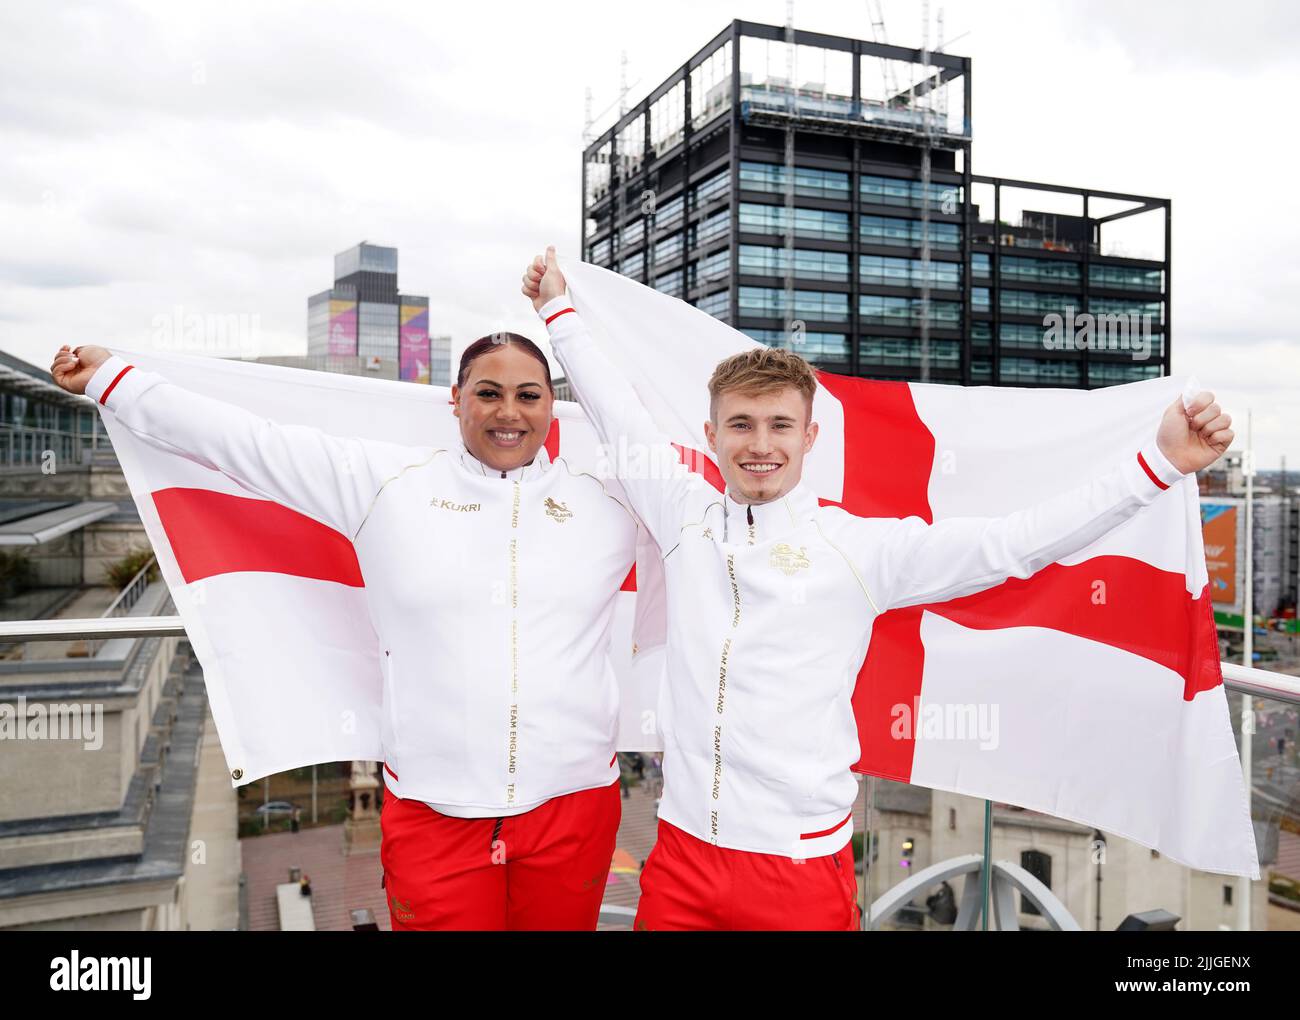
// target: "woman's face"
[[504, 408]]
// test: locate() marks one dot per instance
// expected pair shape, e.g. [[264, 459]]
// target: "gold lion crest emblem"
[[558, 512], [787, 560]]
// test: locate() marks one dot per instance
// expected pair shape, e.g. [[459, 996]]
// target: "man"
[[771, 601]]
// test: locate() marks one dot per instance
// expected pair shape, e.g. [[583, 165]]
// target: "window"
[[771, 219], [769, 302], [1039, 303], [815, 346], [714, 187], [1033, 371], [633, 265], [900, 272], [711, 86], [1152, 310], [670, 214], [716, 305], [631, 146], [770, 177], [709, 230], [667, 116], [761, 176], [714, 267], [1106, 373], [905, 351], [759, 260], [598, 172], [1015, 267], [1126, 277], [670, 283], [903, 233], [632, 233], [820, 223], [669, 248], [906, 311], [1039, 865], [598, 253], [944, 197], [1021, 336]]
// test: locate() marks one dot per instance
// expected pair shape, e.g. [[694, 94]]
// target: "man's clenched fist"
[[1196, 436]]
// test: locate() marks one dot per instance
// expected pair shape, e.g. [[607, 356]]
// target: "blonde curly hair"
[[761, 370]]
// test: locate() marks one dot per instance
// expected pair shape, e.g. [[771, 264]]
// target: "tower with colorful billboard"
[[364, 316], [1223, 526]]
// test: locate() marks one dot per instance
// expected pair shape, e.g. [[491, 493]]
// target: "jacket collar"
[[541, 463], [769, 520]]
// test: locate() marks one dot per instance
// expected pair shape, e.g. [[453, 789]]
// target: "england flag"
[[1103, 666]]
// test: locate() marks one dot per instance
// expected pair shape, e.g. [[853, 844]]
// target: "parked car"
[[275, 807]]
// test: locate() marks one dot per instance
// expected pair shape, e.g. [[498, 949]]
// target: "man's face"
[[759, 441], [504, 408]]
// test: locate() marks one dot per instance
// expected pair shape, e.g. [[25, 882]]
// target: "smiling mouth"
[[508, 438], [760, 468]]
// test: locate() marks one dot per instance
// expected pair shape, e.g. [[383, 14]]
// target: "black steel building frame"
[[689, 163]]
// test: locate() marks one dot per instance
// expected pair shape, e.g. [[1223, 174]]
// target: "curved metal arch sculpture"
[[1007, 878]]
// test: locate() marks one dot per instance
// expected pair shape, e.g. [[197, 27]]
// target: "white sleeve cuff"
[[104, 376], [1157, 464], [554, 305]]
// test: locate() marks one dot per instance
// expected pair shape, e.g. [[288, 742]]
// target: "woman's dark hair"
[[494, 341]]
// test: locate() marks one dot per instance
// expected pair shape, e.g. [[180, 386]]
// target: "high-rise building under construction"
[[816, 192]]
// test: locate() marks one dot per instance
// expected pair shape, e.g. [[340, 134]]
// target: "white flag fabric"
[[1103, 667]]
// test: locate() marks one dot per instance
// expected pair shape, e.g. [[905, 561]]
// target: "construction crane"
[[925, 110], [879, 35], [928, 100], [793, 325]]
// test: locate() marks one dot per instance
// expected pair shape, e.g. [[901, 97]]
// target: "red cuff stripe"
[[1150, 474], [614, 759], [390, 771], [826, 832], [558, 314], [103, 397]]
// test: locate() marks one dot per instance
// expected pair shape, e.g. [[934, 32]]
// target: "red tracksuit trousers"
[[544, 869], [690, 885]]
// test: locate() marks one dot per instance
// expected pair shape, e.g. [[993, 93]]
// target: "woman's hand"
[[543, 279], [73, 366]]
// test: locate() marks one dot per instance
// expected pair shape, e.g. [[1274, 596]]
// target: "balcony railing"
[[1260, 683], [25, 446]]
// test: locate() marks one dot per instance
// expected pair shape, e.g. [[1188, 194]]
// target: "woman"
[[492, 574]]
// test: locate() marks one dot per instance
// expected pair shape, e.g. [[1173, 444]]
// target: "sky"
[[160, 161]]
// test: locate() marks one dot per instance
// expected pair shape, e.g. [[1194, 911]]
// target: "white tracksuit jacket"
[[492, 597], [768, 624]]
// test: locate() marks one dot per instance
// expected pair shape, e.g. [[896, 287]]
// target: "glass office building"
[[363, 316], [816, 191], [440, 361]]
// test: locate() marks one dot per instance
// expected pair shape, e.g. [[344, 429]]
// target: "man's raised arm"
[[908, 562]]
